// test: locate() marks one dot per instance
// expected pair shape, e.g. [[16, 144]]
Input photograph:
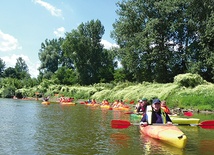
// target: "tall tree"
[[84, 47], [50, 56], [160, 39]]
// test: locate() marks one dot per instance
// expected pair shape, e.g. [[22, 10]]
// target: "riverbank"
[[186, 92]]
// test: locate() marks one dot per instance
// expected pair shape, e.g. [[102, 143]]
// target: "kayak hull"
[[105, 106], [46, 103], [67, 103], [121, 108], [89, 104], [169, 134], [183, 121]]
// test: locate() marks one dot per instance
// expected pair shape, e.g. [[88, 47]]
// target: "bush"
[[188, 80]]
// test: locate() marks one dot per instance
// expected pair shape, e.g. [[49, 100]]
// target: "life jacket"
[[149, 115], [166, 109]]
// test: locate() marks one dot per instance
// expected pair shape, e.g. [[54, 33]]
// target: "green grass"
[[177, 95]]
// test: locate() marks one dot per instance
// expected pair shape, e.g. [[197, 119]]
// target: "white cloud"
[[60, 32], [108, 45], [10, 61], [8, 42], [54, 11]]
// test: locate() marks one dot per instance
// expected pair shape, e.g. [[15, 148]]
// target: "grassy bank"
[[187, 91]]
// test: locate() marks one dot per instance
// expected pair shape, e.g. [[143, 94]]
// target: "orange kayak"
[[46, 102], [89, 104], [121, 108], [169, 134], [105, 106]]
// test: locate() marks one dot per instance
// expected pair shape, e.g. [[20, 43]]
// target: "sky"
[[25, 24]]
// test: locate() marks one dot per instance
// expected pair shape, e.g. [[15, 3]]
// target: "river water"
[[30, 128]]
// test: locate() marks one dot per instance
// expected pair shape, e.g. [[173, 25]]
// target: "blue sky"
[[25, 24]]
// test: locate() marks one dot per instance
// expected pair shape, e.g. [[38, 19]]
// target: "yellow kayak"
[[93, 105], [67, 103], [169, 134], [105, 106], [121, 108], [46, 102], [180, 120]]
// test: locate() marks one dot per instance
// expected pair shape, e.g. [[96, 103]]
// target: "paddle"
[[122, 124], [188, 113]]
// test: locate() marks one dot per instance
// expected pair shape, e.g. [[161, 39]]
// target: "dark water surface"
[[28, 127]]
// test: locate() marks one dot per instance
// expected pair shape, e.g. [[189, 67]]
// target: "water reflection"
[[152, 146], [120, 139], [206, 146]]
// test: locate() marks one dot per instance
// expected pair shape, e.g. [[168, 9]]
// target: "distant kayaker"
[[165, 107], [115, 104], [120, 104], [155, 114], [142, 106], [105, 102], [93, 101], [45, 99]]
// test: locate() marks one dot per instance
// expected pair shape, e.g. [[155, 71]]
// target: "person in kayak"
[[142, 106], [154, 114], [105, 102], [165, 107], [115, 104]]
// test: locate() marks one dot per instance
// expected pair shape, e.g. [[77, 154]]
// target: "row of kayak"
[[108, 107], [61, 103]]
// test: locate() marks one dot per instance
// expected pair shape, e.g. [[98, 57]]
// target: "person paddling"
[[142, 106], [154, 114]]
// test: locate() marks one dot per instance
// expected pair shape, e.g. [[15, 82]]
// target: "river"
[[30, 128]]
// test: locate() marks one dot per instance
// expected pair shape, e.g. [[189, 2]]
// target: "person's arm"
[[168, 120], [144, 120], [138, 109]]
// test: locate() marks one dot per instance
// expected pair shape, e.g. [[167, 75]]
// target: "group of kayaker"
[[118, 104], [65, 99], [105, 102]]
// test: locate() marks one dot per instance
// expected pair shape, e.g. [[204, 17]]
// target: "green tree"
[[21, 68], [2, 67], [203, 16], [51, 57], [65, 76], [160, 39], [10, 72], [84, 47]]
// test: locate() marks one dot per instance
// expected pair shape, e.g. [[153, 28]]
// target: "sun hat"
[[156, 101]]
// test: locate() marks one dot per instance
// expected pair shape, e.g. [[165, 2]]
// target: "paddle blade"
[[207, 124], [188, 113], [132, 102], [120, 124]]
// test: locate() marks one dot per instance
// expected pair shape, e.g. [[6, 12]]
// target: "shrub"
[[188, 80]]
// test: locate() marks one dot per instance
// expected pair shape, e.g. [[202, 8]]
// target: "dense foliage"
[[157, 40], [161, 39]]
